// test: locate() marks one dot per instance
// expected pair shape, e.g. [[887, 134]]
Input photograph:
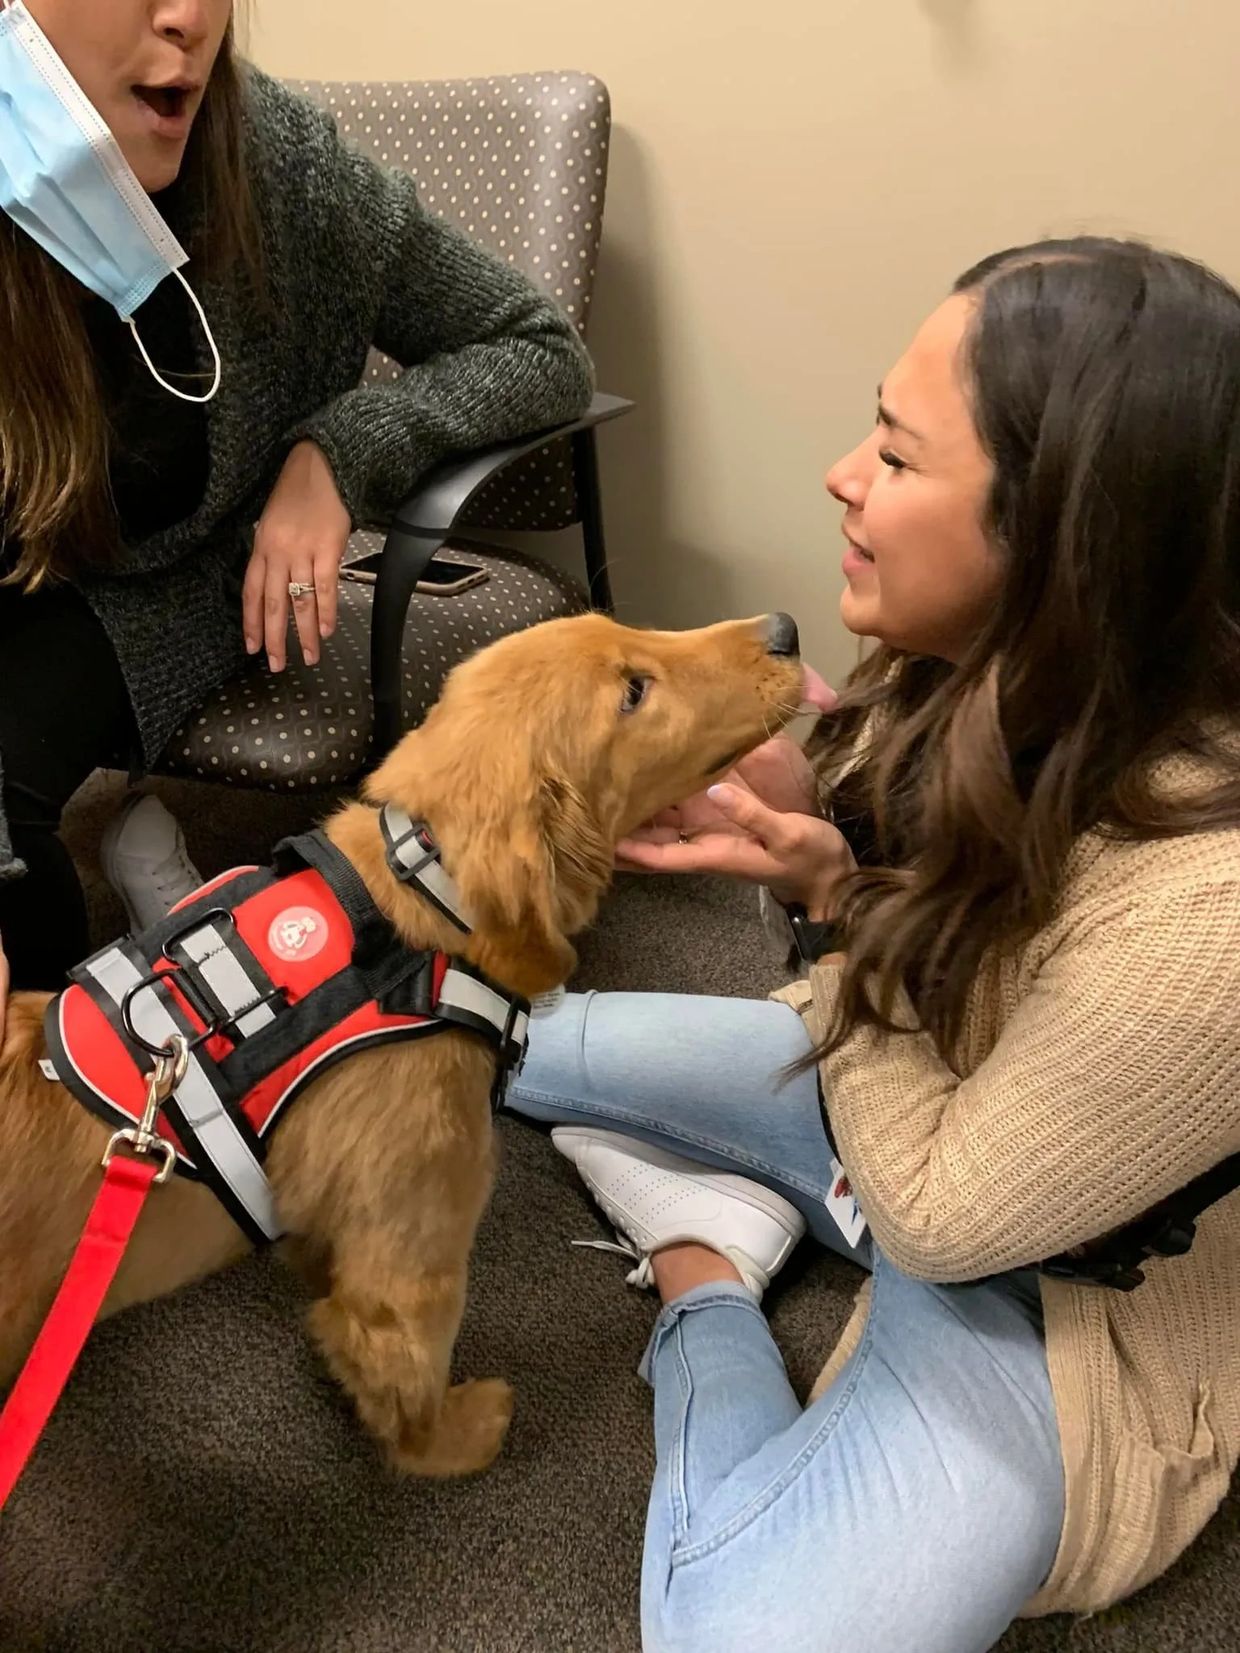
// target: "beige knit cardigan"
[[1101, 1072]]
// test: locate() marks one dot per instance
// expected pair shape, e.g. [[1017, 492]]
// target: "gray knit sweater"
[[352, 260]]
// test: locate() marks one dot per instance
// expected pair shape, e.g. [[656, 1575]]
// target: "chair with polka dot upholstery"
[[520, 163]]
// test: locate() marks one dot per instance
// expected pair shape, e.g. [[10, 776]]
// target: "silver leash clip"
[[143, 1138]]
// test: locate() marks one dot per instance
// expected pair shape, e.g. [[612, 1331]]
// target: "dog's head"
[[547, 747]]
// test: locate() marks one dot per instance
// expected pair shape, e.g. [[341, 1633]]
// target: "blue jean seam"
[[651, 1123], [678, 1496], [762, 1501], [669, 1325]]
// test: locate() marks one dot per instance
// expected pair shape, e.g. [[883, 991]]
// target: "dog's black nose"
[[781, 635]]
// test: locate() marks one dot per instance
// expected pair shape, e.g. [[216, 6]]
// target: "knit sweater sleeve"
[[487, 357], [1114, 1082]]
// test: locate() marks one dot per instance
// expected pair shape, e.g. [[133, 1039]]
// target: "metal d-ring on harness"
[[215, 1015]]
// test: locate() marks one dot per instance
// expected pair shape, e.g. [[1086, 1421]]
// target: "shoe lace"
[[642, 1275], [173, 876], [755, 1277]]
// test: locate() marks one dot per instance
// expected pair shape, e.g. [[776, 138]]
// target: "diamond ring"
[[299, 588]]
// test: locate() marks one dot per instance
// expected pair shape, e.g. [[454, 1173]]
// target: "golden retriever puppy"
[[543, 750]]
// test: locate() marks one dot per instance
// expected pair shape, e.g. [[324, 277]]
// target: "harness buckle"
[[510, 1061], [1119, 1259], [169, 1070]]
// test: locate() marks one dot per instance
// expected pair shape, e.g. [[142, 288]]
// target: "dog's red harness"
[[258, 982], [270, 978]]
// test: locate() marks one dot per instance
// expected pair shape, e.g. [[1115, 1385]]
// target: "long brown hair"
[[1104, 379], [55, 506]]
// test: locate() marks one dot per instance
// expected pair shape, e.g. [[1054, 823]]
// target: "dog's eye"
[[634, 693]]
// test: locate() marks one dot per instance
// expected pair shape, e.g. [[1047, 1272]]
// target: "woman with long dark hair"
[[1011, 860], [182, 460]]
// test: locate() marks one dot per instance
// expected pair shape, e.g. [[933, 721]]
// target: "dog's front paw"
[[468, 1434]]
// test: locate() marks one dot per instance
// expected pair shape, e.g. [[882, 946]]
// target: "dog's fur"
[[528, 772]]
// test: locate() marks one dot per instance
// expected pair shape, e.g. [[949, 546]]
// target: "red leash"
[[126, 1184], [92, 1268]]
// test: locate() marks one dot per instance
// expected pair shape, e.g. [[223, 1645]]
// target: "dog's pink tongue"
[[817, 693]]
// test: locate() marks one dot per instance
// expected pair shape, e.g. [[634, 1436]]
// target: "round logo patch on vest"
[[297, 933]]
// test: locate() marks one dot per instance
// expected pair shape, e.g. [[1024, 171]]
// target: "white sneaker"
[[657, 1199], [144, 860]]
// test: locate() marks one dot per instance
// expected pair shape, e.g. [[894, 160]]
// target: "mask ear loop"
[[172, 390]]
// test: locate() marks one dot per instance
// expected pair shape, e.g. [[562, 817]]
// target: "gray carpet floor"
[[203, 1488]]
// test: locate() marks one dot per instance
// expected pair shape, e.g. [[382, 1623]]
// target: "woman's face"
[[921, 573], [144, 64]]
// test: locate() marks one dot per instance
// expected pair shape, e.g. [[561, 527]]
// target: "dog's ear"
[[580, 856], [542, 867], [526, 849], [532, 875], [496, 849]]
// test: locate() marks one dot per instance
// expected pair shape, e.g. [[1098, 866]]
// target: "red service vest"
[[272, 976]]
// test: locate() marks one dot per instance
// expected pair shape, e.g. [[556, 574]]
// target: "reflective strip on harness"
[[419, 866], [208, 947], [473, 997], [214, 1131]]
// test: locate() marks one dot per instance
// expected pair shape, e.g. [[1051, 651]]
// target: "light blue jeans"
[[913, 1508]]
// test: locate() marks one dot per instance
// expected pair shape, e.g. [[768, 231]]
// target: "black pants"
[[64, 712]]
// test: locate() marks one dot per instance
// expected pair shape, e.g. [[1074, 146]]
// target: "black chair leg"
[[401, 566], [590, 507]]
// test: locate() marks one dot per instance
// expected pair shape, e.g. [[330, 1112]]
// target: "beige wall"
[[792, 185]]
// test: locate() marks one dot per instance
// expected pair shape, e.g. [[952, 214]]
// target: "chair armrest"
[[420, 526], [445, 491]]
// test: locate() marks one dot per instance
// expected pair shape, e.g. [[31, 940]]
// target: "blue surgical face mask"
[[64, 180]]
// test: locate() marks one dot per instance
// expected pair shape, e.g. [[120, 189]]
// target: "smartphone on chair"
[[443, 576]]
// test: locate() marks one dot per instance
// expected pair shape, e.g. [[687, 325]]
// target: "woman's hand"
[[762, 824], [301, 538]]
